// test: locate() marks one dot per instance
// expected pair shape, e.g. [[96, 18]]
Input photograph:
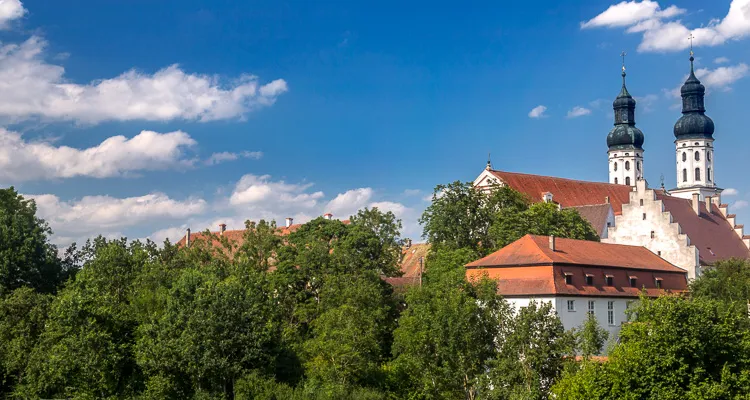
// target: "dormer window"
[[633, 281], [568, 278], [589, 280], [657, 282], [610, 279]]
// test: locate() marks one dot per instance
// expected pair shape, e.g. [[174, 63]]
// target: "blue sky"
[[142, 118]]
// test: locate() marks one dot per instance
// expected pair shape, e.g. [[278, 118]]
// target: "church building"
[[687, 226]]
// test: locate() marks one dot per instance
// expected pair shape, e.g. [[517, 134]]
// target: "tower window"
[[697, 156], [708, 174], [627, 180], [615, 166], [653, 234], [697, 174], [708, 156], [616, 181], [627, 165], [684, 175], [644, 216], [684, 156], [638, 166]]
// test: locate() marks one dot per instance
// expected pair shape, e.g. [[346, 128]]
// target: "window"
[[697, 156], [589, 280], [708, 174], [697, 174], [611, 312], [708, 156], [641, 202], [615, 166], [684, 156], [638, 166], [684, 175], [616, 181], [571, 305], [657, 282], [644, 216], [633, 281], [627, 181], [568, 278], [627, 165], [610, 280], [697, 144], [658, 253], [591, 307], [653, 234]]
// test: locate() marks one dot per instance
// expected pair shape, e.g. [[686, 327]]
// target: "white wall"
[[704, 148], [668, 242], [633, 158]]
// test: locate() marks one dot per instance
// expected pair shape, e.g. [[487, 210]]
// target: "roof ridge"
[[557, 177]]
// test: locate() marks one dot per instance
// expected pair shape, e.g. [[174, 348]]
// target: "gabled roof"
[[596, 214], [237, 235], [567, 192], [533, 250], [711, 233]]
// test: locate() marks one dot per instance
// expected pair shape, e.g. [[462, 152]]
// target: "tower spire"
[[625, 141], [690, 38], [623, 54]]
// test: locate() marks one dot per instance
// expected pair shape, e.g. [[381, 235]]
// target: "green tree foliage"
[[591, 337], [673, 348], [540, 219], [727, 280], [26, 256]]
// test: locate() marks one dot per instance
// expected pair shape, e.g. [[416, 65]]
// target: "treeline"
[[310, 316]]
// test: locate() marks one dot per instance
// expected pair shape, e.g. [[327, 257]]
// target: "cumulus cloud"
[[720, 78], [10, 10], [721, 60], [578, 111], [260, 194], [730, 192], [662, 33], [21, 160], [740, 204], [92, 215], [348, 203], [218, 158], [33, 87], [537, 112]]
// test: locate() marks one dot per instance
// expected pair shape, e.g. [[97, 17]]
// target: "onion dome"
[[624, 135], [694, 123]]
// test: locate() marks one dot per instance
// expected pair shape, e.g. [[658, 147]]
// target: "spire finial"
[[623, 54], [690, 38], [489, 162], [662, 180]]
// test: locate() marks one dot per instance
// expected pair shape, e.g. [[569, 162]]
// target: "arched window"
[[684, 174], [627, 180], [697, 174], [616, 181], [615, 166], [684, 156], [627, 165], [708, 156], [708, 174], [697, 156], [638, 166]]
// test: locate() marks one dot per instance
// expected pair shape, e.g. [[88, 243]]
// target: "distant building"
[[688, 226], [578, 277]]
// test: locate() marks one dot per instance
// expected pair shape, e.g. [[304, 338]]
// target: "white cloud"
[[721, 60], [578, 111], [730, 192], [218, 158], [720, 78], [22, 160], [31, 87], [662, 34], [10, 10], [92, 215], [629, 13], [262, 195], [538, 112], [740, 204], [348, 203], [412, 192]]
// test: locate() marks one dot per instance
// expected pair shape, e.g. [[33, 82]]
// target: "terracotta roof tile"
[[710, 232], [410, 265], [596, 214], [567, 192]]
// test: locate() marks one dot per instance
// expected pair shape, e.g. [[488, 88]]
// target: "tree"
[[672, 348], [26, 256], [531, 356], [727, 280], [591, 337], [541, 219]]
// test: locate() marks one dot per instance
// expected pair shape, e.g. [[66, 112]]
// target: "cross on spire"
[[623, 54], [690, 38]]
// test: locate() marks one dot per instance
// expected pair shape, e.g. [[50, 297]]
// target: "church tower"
[[694, 143], [625, 141]]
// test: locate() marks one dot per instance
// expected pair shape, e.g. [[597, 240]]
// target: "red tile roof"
[[567, 192], [236, 235], [596, 214], [710, 232], [528, 267], [410, 264]]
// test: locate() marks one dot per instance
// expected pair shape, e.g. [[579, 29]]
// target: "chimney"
[[222, 228], [552, 242], [407, 243], [709, 203], [328, 216], [716, 199], [697, 203], [289, 221], [606, 199], [187, 238]]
